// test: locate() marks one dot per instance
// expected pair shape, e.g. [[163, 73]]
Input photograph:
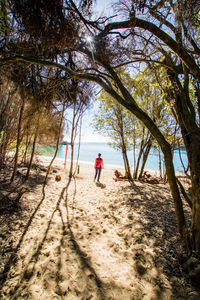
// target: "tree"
[[57, 143], [148, 27], [115, 122], [79, 92]]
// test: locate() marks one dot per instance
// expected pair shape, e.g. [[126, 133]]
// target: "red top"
[[99, 162]]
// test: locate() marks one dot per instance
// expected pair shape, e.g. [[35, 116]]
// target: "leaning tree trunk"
[[128, 101], [18, 140]]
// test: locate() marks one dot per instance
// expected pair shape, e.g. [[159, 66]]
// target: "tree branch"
[[159, 33]]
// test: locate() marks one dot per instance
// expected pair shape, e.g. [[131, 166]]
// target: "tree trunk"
[[134, 157], [57, 145], [193, 150], [125, 158], [71, 161], [138, 159], [18, 140], [180, 157], [79, 145], [28, 140], [128, 102], [77, 114], [126, 164], [4, 139], [191, 135], [33, 149], [72, 146], [145, 156], [160, 163], [176, 195], [187, 199]]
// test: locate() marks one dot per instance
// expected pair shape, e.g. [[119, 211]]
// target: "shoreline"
[[60, 163], [113, 159]]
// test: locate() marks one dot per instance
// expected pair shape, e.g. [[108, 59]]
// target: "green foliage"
[[114, 121], [4, 18], [152, 93], [1, 136]]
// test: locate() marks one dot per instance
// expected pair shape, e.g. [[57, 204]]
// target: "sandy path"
[[89, 241]]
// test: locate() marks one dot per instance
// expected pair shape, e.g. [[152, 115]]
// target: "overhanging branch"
[[159, 33]]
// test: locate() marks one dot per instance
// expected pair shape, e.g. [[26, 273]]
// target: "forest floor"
[[82, 240]]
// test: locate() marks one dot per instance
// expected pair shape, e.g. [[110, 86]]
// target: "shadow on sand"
[[100, 185]]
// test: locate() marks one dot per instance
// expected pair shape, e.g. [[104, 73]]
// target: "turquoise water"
[[89, 151]]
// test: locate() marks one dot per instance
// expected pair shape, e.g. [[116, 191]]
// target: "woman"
[[98, 165]]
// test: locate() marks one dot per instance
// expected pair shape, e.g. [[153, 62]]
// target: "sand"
[[82, 240]]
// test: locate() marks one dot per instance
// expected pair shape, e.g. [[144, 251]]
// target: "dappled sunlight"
[[86, 242]]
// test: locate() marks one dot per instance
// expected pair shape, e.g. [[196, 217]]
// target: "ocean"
[[89, 151]]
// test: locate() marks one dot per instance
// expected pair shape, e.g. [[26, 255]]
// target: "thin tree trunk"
[[57, 145], [33, 149], [125, 157], [79, 145], [4, 145], [77, 113], [71, 161], [72, 146], [139, 158], [126, 164], [160, 164], [134, 157], [185, 170], [18, 140], [145, 156], [28, 141], [4, 140]]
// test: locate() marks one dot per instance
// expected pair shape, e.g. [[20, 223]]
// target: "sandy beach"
[[81, 240]]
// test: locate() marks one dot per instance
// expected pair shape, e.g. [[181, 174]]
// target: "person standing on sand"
[[98, 165]]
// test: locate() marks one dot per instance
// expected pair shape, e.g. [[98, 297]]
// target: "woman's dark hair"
[[99, 154]]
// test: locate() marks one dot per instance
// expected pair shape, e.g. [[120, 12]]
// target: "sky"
[[101, 6], [88, 133]]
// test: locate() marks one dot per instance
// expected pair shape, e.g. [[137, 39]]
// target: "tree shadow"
[[158, 222], [12, 257], [27, 270], [81, 254]]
